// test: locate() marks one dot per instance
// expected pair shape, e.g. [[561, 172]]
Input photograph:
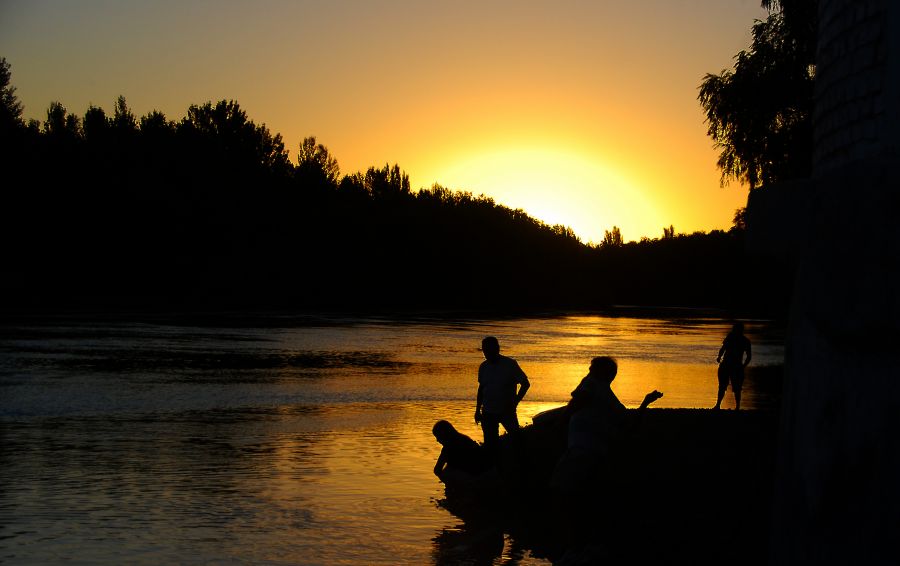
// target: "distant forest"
[[213, 212]]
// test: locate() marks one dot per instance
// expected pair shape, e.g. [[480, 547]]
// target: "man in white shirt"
[[497, 397]]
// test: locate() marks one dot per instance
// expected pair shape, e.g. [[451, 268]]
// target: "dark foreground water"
[[291, 440]]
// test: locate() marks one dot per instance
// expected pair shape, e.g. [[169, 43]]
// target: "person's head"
[[604, 368], [443, 431], [738, 328], [490, 347]]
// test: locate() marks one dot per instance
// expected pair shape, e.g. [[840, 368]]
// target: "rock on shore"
[[683, 486]]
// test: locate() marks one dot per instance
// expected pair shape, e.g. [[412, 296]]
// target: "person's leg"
[[490, 427], [510, 422], [720, 396], [737, 383], [723, 384], [511, 454]]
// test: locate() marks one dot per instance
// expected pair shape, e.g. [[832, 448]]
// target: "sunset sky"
[[581, 113]]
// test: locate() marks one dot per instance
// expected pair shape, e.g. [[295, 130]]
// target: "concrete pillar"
[[838, 487]]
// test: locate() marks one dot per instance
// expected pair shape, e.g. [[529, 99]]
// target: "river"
[[271, 439]]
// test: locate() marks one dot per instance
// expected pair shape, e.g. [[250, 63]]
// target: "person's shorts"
[[510, 421], [731, 373]]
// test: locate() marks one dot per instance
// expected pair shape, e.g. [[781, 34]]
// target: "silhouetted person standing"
[[497, 397], [732, 363]]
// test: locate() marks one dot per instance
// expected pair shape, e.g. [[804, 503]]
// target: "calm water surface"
[[291, 440]]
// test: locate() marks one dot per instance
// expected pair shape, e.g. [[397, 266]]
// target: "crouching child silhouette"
[[462, 460]]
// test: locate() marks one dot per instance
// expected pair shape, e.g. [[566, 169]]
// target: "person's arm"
[[749, 355], [650, 398], [441, 462], [478, 401], [634, 421], [721, 352], [524, 384]]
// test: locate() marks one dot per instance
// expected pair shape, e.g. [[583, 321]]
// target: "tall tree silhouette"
[[60, 124], [387, 182], [96, 127], [225, 132], [759, 112], [316, 166], [10, 107], [612, 238], [668, 233]]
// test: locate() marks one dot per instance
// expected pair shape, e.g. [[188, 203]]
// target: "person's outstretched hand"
[[651, 397]]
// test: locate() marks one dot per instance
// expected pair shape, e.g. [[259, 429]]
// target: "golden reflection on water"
[[297, 464]]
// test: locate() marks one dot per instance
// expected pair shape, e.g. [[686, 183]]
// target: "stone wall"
[[838, 487], [777, 217], [850, 116]]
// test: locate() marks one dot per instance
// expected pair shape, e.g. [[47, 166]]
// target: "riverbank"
[[697, 486], [237, 317], [688, 486]]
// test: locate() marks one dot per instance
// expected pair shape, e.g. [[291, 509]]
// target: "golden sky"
[[581, 113]]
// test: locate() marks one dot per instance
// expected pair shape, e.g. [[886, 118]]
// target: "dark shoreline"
[[289, 317], [686, 486], [701, 483]]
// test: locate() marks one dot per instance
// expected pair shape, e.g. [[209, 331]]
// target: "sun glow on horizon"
[[583, 115], [573, 188]]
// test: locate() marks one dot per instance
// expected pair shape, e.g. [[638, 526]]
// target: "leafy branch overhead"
[[759, 113]]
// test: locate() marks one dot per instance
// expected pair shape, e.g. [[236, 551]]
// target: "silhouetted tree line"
[[211, 211], [699, 269]]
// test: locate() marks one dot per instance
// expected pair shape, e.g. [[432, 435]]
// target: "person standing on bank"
[[498, 397], [732, 363]]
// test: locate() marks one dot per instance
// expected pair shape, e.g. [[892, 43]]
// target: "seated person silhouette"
[[461, 457], [597, 420]]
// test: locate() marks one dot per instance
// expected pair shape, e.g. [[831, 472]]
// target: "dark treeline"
[[211, 211]]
